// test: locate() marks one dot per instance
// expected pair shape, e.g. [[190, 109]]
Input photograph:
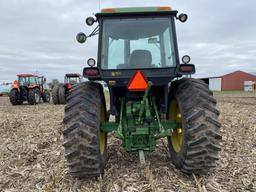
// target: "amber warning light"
[[138, 82]]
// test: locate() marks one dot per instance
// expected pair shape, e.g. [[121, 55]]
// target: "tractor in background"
[[30, 88], [152, 96], [61, 91]]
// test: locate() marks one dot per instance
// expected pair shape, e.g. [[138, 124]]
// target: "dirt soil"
[[31, 154]]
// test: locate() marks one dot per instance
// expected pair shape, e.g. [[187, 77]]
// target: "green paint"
[[140, 126], [109, 126]]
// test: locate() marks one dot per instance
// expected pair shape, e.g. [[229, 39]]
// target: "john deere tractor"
[[150, 96], [61, 91], [30, 88]]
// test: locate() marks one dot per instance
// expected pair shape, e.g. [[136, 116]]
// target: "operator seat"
[[140, 59]]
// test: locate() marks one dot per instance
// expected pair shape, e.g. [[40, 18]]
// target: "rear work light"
[[138, 82]]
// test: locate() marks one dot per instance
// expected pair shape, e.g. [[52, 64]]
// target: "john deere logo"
[[115, 73]]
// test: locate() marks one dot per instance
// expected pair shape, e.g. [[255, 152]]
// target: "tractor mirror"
[[90, 21], [183, 17], [81, 37], [187, 69]]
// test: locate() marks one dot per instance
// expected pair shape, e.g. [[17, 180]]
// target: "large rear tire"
[[14, 97], [34, 96], [55, 95], [195, 144], [46, 97], [84, 142], [62, 94]]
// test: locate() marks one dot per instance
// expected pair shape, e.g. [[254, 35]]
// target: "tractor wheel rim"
[[177, 134], [102, 135]]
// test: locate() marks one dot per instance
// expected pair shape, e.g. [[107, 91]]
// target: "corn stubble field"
[[32, 159]]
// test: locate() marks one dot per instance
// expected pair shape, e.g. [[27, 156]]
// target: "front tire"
[[85, 144], [34, 96], [195, 144], [14, 97]]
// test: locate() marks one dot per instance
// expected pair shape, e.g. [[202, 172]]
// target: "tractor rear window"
[[72, 80], [137, 43]]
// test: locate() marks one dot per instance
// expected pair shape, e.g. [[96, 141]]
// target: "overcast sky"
[[39, 35]]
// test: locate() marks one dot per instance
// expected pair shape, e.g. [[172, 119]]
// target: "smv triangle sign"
[[138, 82]]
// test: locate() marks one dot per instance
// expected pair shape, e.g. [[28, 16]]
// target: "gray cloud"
[[40, 35]]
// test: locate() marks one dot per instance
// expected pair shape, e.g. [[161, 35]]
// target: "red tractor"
[[61, 91], [29, 88]]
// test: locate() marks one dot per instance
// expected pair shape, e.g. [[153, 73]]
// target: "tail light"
[[91, 72], [186, 69]]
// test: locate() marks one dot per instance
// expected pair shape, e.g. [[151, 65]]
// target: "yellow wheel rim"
[[177, 134], [102, 135]]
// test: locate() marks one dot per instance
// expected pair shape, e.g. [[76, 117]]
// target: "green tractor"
[[150, 96]]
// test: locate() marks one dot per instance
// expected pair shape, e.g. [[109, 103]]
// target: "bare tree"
[[53, 83]]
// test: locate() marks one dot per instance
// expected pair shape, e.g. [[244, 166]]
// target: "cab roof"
[[26, 75], [72, 75], [136, 10]]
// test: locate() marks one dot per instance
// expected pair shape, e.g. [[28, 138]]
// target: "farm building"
[[231, 81]]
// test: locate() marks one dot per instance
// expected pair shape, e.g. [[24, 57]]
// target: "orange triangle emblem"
[[138, 82]]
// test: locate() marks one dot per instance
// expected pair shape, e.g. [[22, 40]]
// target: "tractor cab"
[[26, 80], [31, 81], [136, 40], [72, 78]]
